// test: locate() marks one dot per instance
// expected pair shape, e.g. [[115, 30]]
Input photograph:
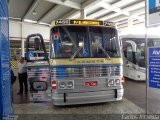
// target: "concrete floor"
[[134, 102], [98, 110], [22, 106], [136, 92], [120, 107]]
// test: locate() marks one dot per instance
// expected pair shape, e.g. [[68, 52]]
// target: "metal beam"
[[119, 18], [67, 3], [108, 8], [133, 13], [125, 25], [31, 9], [47, 14], [70, 14], [89, 3], [113, 7], [131, 8], [83, 14], [130, 22], [85, 5], [138, 12]]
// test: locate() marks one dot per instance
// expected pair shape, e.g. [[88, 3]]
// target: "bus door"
[[38, 69], [130, 59]]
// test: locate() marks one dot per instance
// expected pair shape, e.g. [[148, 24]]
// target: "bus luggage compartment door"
[[39, 80]]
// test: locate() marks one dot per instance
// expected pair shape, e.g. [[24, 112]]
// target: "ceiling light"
[[30, 21]]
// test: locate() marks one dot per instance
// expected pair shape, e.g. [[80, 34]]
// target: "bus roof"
[[82, 22]]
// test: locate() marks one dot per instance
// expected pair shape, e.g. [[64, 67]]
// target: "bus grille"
[[85, 71]]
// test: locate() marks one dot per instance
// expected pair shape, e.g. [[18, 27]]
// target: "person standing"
[[22, 74]]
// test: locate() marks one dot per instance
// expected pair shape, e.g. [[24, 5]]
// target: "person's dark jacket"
[[13, 78]]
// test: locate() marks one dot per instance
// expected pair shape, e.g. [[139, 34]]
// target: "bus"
[[134, 55], [85, 62]]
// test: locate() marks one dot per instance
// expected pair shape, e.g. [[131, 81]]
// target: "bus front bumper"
[[87, 97]]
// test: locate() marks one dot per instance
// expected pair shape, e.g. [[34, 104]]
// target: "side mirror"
[[37, 44]]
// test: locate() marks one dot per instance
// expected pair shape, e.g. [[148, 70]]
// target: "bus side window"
[[129, 53]]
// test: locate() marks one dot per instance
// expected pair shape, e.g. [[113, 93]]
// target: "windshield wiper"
[[70, 37], [105, 52], [73, 56]]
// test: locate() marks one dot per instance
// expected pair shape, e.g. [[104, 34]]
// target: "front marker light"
[[122, 80]]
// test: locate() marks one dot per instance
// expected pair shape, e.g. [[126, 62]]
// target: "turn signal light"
[[122, 80], [54, 85]]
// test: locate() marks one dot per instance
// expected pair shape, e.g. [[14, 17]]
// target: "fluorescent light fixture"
[[12, 18], [42, 23], [30, 21]]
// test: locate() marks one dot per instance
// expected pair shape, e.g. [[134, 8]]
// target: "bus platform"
[[22, 105], [121, 107]]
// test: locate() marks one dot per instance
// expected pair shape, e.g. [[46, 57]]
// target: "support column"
[[22, 42], [83, 14], [130, 24], [157, 3]]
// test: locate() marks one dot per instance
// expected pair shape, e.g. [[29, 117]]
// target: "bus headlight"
[[70, 84], [116, 82], [62, 85], [66, 84], [111, 82]]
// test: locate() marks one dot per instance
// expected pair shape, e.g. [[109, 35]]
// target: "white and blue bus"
[[134, 55]]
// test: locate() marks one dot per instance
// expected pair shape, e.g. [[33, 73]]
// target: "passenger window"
[[129, 53]]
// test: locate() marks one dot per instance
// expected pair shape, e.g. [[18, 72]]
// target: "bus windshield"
[[84, 42]]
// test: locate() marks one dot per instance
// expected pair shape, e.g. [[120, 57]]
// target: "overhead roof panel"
[[18, 8], [58, 12], [78, 1], [93, 9], [41, 9], [111, 1]]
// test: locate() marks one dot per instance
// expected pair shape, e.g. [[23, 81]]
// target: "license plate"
[[91, 83]]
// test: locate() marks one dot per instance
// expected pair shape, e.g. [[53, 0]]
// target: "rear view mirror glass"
[[39, 86], [37, 44]]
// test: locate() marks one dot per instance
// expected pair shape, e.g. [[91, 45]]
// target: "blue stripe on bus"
[[38, 66]]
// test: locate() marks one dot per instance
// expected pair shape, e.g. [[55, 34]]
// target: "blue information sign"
[[154, 67], [153, 12], [30, 54]]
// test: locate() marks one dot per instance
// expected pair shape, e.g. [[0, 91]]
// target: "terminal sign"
[[154, 67], [153, 12]]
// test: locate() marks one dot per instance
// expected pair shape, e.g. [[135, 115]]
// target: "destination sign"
[[84, 22], [106, 23], [58, 22]]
